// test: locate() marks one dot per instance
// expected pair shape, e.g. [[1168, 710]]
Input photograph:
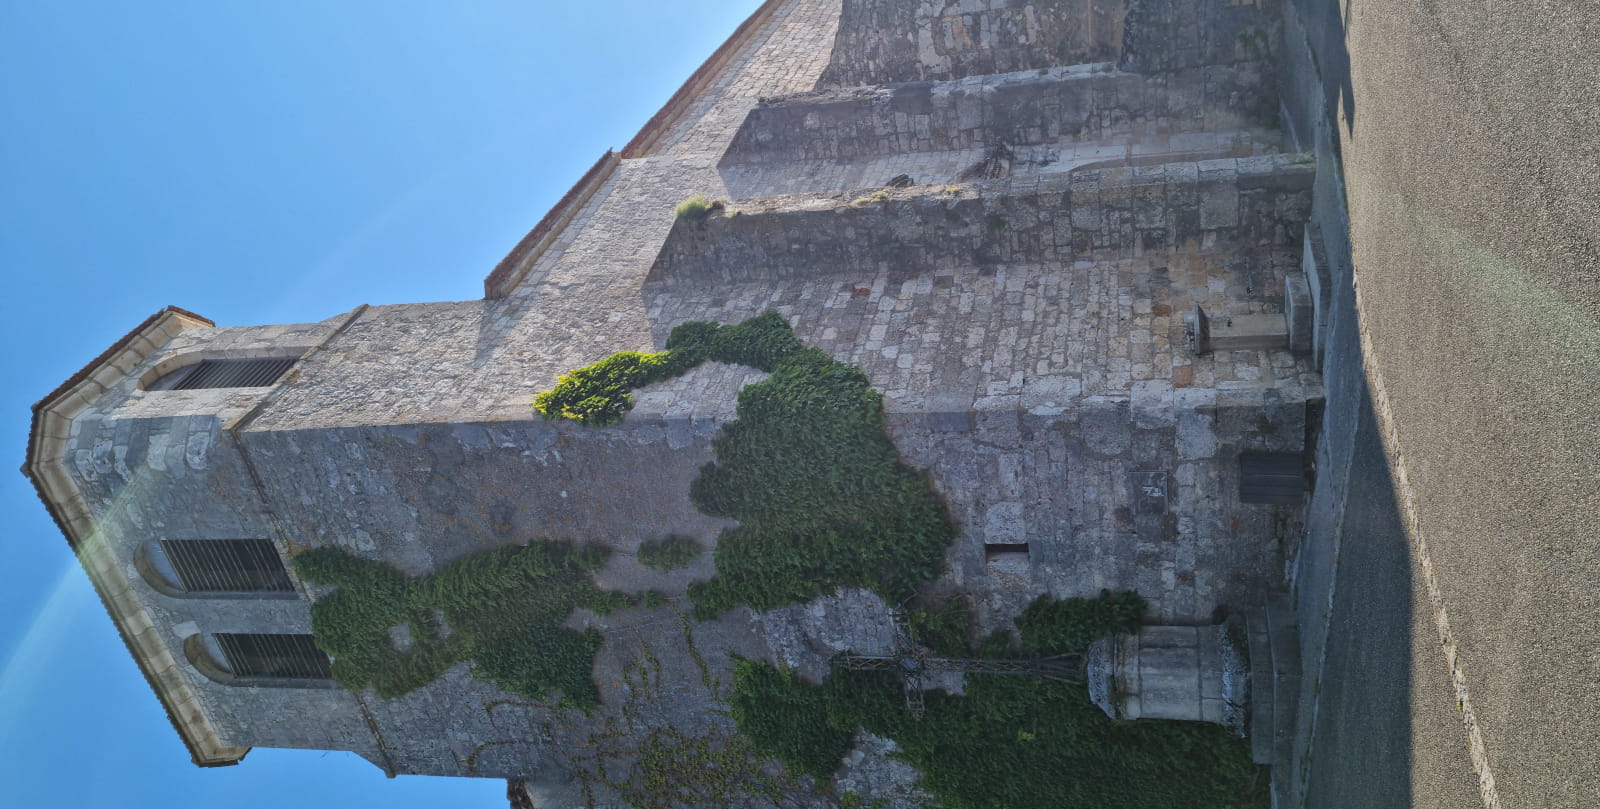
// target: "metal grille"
[[288, 656], [227, 565], [910, 661], [246, 373], [1274, 478]]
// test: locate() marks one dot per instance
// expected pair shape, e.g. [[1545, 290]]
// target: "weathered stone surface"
[[888, 41], [1249, 333], [1161, 36], [1099, 214], [1079, 103]]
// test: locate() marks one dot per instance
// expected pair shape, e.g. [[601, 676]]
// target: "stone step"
[[1087, 102], [1061, 156], [1249, 332], [1261, 688], [1181, 207]]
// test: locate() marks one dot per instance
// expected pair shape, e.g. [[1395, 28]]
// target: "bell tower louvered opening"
[[255, 372], [292, 657], [227, 565]]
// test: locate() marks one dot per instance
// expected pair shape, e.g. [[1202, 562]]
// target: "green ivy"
[[942, 628], [1051, 626], [668, 554], [784, 718], [819, 492], [1009, 742], [502, 609]]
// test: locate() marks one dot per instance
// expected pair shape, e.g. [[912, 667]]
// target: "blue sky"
[[262, 162]]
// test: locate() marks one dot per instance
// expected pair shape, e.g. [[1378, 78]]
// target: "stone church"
[[1064, 240]]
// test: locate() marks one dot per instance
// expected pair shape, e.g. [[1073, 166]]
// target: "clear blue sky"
[[262, 162]]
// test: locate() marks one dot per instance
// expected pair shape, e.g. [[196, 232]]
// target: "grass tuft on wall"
[[502, 609]]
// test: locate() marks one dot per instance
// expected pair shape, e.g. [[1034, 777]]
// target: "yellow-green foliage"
[[502, 609], [695, 208], [598, 394], [818, 489], [972, 748]]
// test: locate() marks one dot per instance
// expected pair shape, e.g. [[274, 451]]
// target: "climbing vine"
[[649, 758], [821, 497], [668, 554], [1009, 742], [502, 609]]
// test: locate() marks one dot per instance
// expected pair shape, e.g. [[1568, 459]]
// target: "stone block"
[[1313, 262], [1219, 206], [1249, 333], [1300, 314]]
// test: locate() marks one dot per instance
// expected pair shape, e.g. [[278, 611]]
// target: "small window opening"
[[1004, 551], [293, 657], [227, 565], [256, 372]]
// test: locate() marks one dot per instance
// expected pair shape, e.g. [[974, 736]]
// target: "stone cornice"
[[46, 468]]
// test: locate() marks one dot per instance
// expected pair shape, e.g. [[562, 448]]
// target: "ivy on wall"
[[1010, 742], [668, 554], [818, 489], [502, 609]]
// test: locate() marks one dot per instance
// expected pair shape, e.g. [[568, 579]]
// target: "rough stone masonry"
[[1078, 177]]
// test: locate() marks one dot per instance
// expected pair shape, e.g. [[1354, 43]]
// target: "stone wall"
[[1078, 103], [888, 41], [1258, 201], [157, 465], [1128, 493], [422, 495], [1162, 36]]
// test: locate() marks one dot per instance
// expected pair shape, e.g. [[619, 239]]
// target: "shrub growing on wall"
[[695, 208], [818, 489]]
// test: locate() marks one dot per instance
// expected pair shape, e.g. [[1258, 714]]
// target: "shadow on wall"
[[1322, 27], [1363, 734]]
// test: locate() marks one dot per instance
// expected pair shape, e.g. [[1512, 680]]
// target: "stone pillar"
[[1195, 673], [1301, 313]]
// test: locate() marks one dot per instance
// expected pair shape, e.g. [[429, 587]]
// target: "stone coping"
[[515, 266]]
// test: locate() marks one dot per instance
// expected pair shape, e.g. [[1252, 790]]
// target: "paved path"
[[1471, 152], [1388, 734]]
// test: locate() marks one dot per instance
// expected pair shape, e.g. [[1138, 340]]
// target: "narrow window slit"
[[1001, 551]]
